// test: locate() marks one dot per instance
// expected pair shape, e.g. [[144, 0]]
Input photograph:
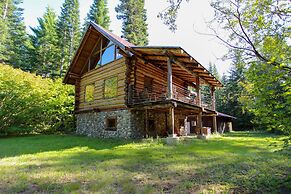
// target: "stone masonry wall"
[[93, 124]]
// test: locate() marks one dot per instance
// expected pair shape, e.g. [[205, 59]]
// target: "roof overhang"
[[90, 43], [184, 65]]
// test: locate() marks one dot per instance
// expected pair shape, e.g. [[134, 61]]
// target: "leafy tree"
[[68, 32], [45, 45], [99, 14], [134, 26], [169, 14], [30, 103], [260, 31]]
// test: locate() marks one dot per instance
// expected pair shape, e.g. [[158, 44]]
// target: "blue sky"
[[191, 18]]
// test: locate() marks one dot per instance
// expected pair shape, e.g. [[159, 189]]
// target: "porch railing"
[[137, 96]]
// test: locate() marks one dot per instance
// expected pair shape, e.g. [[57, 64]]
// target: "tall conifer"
[[68, 32], [14, 39], [4, 5], [134, 26], [99, 14], [45, 44]]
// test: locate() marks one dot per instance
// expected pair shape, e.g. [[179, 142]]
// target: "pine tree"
[[231, 94], [14, 39], [206, 89], [68, 32], [45, 45], [99, 14], [134, 27], [3, 29]]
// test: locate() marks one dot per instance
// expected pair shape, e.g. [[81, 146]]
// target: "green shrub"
[[30, 103]]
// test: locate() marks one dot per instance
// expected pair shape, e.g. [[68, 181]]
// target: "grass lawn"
[[238, 162]]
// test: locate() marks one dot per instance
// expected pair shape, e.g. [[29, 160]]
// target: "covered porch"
[[174, 100], [171, 118]]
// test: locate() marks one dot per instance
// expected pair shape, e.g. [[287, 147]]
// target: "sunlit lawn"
[[238, 162]]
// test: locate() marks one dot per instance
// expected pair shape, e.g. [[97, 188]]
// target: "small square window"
[[111, 124]]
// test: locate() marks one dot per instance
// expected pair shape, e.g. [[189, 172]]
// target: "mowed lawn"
[[238, 162]]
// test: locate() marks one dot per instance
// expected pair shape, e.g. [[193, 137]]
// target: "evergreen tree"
[[14, 39], [4, 5], [206, 89], [134, 27], [231, 94], [45, 45], [99, 14], [68, 32]]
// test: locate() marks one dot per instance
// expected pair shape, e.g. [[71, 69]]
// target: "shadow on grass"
[[117, 166], [15, 146]]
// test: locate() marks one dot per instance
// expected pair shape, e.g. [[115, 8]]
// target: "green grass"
[[239, 162]]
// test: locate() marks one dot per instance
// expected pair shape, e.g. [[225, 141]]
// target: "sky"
[[192, 18]]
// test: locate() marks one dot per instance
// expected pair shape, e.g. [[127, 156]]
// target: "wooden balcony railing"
[[137, 96]]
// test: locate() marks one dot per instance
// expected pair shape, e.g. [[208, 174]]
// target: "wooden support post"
[[198, 98], [170, 80], [146, 123], [77, 94], [172, 122], [199, 116], [199, 123], [213, 98], [214, 124]]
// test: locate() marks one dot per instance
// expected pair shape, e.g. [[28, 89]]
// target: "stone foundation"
[[93, 124], [129, 124]]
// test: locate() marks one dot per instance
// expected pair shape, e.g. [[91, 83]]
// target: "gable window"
[[110, 87], [89, 93], [111, 124], [107, 53], [148, 84]]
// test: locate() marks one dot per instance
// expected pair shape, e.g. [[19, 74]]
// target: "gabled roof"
[[88, 43], [122, 43], [184, 66]]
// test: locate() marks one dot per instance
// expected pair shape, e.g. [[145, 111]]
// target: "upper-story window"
[[108, 53], [89, 93], [110, 87], [148, 84]]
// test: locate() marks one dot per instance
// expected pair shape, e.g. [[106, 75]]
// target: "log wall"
[[97, 77], [159, 79]]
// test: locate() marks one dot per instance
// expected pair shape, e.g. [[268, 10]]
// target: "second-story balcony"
[[139, 96]]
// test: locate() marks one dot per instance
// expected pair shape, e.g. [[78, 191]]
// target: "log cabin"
[[128, 91]]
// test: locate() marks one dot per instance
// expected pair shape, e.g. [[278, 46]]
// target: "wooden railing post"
[[199, 116], [170, 80]]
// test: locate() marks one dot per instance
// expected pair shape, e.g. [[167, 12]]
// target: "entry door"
[[151, 128]]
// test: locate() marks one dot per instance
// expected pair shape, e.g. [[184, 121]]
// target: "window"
[[107, 53], [89, 93], [110, 87], [111, 124], [148, 84]]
